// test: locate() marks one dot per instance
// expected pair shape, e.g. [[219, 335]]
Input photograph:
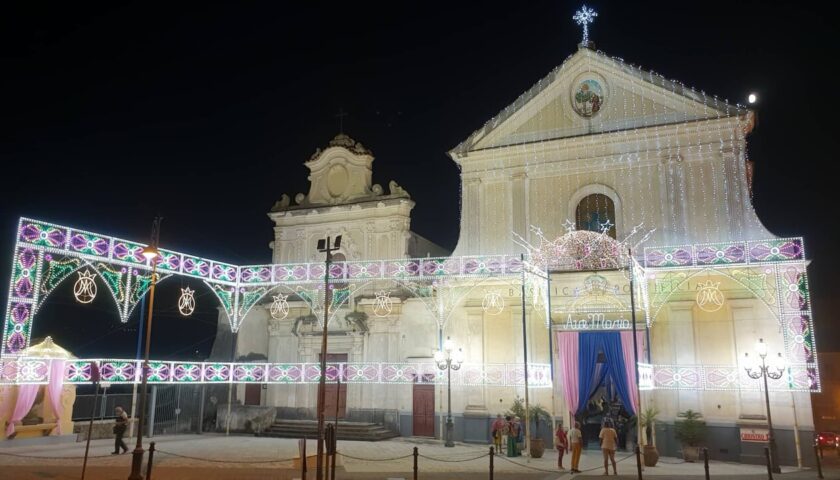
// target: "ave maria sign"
[[593, 321]]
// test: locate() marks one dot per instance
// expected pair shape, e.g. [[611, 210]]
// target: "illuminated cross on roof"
[[584, 17], [340, 115]]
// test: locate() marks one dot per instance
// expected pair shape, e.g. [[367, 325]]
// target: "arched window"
[[593, 211]]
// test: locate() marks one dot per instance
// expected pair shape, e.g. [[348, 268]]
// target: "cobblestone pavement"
[[211, 457]]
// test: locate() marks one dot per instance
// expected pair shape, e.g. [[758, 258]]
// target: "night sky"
[[205, 115]]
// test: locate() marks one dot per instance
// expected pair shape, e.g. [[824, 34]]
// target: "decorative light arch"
[[45, 254]]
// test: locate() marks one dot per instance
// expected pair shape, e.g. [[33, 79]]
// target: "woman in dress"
[[512, 437], [608, 437]]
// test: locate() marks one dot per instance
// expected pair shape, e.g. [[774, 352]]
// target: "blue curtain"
[[615, 366], [591, 343]]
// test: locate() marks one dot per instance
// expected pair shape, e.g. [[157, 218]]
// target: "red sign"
[[758, 435]]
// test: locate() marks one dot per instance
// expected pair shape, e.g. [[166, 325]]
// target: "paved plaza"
[[211, 457]]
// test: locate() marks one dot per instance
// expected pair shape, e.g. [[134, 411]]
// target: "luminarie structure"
[[610, 191]]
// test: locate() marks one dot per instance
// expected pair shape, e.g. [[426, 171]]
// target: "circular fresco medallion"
[[588, 97]]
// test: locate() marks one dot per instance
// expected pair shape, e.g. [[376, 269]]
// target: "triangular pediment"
[[591, 93]]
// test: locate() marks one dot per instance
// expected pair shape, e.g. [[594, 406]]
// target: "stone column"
[[519, 205], [470, 212], [681, 317]]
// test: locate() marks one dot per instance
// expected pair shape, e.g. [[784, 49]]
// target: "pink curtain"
[[630, 362], [54, 389], [567, 356], [25, 399]]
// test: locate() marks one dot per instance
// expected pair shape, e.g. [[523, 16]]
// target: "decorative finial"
[[584, 17]]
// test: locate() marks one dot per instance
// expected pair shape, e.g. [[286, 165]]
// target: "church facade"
[[606, 200]]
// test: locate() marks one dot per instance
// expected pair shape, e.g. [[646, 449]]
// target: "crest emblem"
[[279, 307], [493, 303], [186, 302], [85, 287], [588, 98], [383, 304], [709, 297]]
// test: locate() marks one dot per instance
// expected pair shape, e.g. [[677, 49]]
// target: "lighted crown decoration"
[[582, 249], [85, 287], [279, 309], [186, 302], [383, 304], [709, 297], [584, 17], [493, 303]]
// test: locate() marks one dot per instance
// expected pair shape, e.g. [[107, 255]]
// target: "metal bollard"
[[639, 461], [302, 449], [151, 459], [819, 462], [769, 464], [334, 452], [706, 462], [492, 454], [415, 453]]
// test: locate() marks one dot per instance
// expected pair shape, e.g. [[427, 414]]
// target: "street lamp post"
[[449, 359], [326, 246], [763, 371], [151, 253]]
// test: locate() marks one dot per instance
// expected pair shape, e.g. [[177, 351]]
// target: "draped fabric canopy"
[[567, 352], [577, 354], [27, 393]]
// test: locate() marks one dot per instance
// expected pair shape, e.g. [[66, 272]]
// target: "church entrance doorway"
[[423, 410], [253, 393], [335, 398], [604, 405], [599, 380]]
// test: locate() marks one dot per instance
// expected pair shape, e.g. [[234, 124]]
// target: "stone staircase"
[[362, 431]]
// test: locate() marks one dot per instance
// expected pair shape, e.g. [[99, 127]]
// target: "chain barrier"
[[375, 459], [41, 457], [454, 460], [554, 470], [284, 460]]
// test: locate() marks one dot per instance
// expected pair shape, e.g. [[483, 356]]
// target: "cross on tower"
[[584, 17], [340, 115]]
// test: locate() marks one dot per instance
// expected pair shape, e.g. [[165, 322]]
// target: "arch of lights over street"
[[45, 255]]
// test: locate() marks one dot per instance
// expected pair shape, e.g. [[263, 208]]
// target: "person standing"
[[496, 430], [520, 436], [510, 438], [120, 425], [576, 442], [608, 438], [562, 445]]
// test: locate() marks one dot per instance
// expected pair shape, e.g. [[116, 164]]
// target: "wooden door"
[[424, 411], [335, 396], [252, 393]]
